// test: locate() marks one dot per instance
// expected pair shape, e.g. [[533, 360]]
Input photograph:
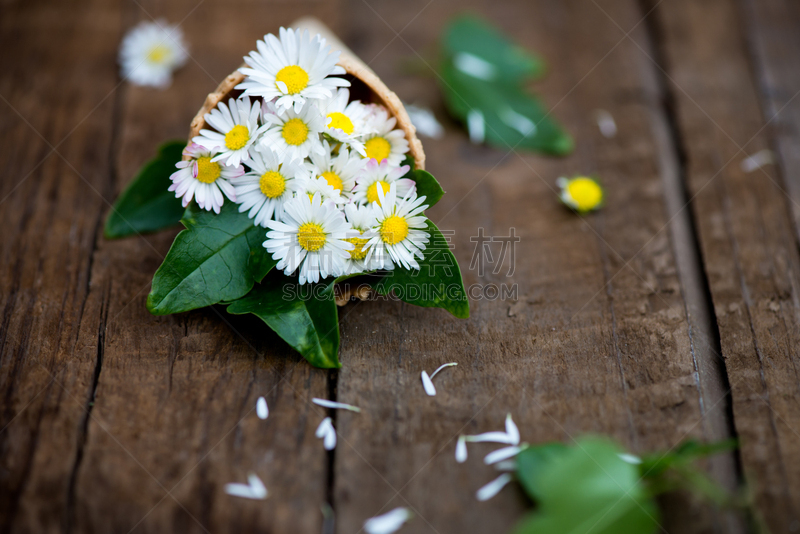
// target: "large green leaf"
[[530, 464], [437, 284], [590, 488], [504, 114], [504, 61], [427, 186], [217, 258], [304, 316], [147, 205]]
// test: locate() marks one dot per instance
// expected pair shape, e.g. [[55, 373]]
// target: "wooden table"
[[673, 313]]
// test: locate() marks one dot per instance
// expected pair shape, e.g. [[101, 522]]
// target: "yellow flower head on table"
[[581, 193]]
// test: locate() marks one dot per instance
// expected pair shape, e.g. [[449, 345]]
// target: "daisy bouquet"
[[296, 196]]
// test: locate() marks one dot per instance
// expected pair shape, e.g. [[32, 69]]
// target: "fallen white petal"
[[388, 522], [428, 385], [606, 123], [506, 465], [258, 488], [630, 458], [501, 454], [322, 429], [494, 437], [512, 430], [262, 410], [424, 121], [452, 364], [476, 126], [461, 450], [757, 160], [326, 431], [336, 405], [493, 488]]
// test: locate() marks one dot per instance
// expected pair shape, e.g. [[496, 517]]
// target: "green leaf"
[[427, 186], [589, 488], [656, 464], [303, 316], [512, 118], [532, 461], [147, 205], [509, 63], [437, 284], [217, 258]]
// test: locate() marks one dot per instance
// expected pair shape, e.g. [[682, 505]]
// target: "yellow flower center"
[[295, 132], [358, 253], [378, 148], [333, 180], [341, 121], [272, 184], [586, 193], [372, 191], [311, 236], [158, 54], [237, 138], [295, 78], [393, 230], [208, 171]]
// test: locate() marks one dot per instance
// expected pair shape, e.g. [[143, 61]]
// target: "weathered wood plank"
[[599, 340], [58, 96], [747, 241], [174, 416]]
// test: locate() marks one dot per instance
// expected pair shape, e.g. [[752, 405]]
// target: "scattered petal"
[[336, 405], [326, 431], [461, 450], [494, 437], [501, 454], [424, 121], [255, 489], [388, 522], [262, 410], [476, 125], [428, 385], [493, 488], [630, 458], [506, 465], [605, 121], [452, 364], [512, 430], [757, 160]]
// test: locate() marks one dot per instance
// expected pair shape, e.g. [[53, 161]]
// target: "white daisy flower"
[[345, 121], [339, 171], [384, 142], [203, 179], [309, 186], [292, 69], [291, 134], [150, 52], [237, 128], [362, 219], [268, 186], [400, 230], [310, 239], [376, 176]]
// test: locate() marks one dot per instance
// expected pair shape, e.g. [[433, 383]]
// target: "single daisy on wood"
[[310, 239], [203, 179], [237, 128], [150, 52], [401, 232], [292, 68], [582, 193]]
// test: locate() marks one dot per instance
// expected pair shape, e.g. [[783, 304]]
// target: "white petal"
[[461, 450], [494, 437], [388, 522], [322, 429], [501, 454], [262, 410], [428, 385], [239, 490], [329, 442], [493, 488], [630, 458], [506, 465], [442, 367], [512, 430], [256, 486], [336, 405]]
